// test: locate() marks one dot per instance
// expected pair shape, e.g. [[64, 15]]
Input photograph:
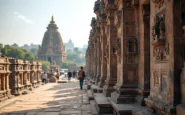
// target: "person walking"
[[74, 74], [44, 77], [81, 76], [69, 75]]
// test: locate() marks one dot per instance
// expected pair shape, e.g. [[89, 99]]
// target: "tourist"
[[74, 74], [69, 75], [44, 77], [57, 75], [81, 76]]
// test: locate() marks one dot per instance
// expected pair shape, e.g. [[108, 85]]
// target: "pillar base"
[[101, 83], [156, 107], [107, 90], [122, 99]]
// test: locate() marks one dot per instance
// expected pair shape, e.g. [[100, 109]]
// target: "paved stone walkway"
[[51, 99]]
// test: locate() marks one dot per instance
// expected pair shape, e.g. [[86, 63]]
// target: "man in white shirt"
[[44, 77]]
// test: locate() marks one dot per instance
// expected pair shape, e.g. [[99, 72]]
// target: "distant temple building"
[[52, 48], [69, 45]]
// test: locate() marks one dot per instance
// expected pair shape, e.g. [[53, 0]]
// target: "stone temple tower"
[[52, 48]]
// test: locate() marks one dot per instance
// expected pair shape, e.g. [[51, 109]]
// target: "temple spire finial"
[[52, 19]]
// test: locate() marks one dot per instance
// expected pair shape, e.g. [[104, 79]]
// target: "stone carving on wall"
[[128, 4], [116, 48], [158, 30], [158, 3], [106, 51], [156, 77], [161, 53], [117, 18]]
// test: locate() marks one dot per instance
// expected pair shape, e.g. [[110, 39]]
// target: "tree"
[[66, 64], [34, 51], [45, 65], [18, 53], [77, 50], [15, 45]]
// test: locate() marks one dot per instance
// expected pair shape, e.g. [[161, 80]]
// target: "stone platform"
[[51, 99], [126, 109]]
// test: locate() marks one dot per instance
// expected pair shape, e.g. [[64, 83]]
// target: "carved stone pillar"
[[111, 59], [103, 59], [126, 86], [3, 82], [98, 51], [165, 59]]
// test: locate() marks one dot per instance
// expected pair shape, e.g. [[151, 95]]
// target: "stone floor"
[[51, 99]]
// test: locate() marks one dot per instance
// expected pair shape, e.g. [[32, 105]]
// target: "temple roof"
[[52, 41]]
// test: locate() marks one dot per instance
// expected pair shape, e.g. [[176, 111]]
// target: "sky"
[[25, 21]]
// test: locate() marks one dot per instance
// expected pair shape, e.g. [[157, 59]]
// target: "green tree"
[[66, 64], [34, 51], [77, 50], [45, 65], [18, 53], [15, 45]]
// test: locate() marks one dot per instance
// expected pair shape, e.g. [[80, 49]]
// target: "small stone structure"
[[17, 76]]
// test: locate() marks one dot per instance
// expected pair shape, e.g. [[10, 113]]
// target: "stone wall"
[[18, 76], [141, 52]]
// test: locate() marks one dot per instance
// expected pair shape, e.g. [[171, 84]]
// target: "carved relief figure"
[[158, 30], [162, 28], [117, 19], [155, 29], [156, 77]]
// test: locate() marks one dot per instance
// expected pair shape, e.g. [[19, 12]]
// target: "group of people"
[[81, 76]]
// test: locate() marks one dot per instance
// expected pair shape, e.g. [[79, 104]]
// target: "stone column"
[[3, 81], [144, 57], [111, 59], [166, 58], [98, 70], [7, 81], [103, 59]]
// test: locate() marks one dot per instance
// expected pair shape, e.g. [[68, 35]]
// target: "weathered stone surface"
[[52, 98]]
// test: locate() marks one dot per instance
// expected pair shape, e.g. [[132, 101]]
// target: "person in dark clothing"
[[74, 74], [81, 76], [69, 75]]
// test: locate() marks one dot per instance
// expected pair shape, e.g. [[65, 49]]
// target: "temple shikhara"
[[52, 48], [135, 57]]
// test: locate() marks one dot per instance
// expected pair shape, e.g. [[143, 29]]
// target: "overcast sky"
[[25, 21]]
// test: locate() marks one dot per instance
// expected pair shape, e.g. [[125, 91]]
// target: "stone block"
[[103, 105], [126, 109], [52, 79], [180, 109]]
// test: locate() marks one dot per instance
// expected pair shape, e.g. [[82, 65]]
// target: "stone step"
[[90, 95], [103, 105], [127, 109], [93, 108], [96, 89]]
